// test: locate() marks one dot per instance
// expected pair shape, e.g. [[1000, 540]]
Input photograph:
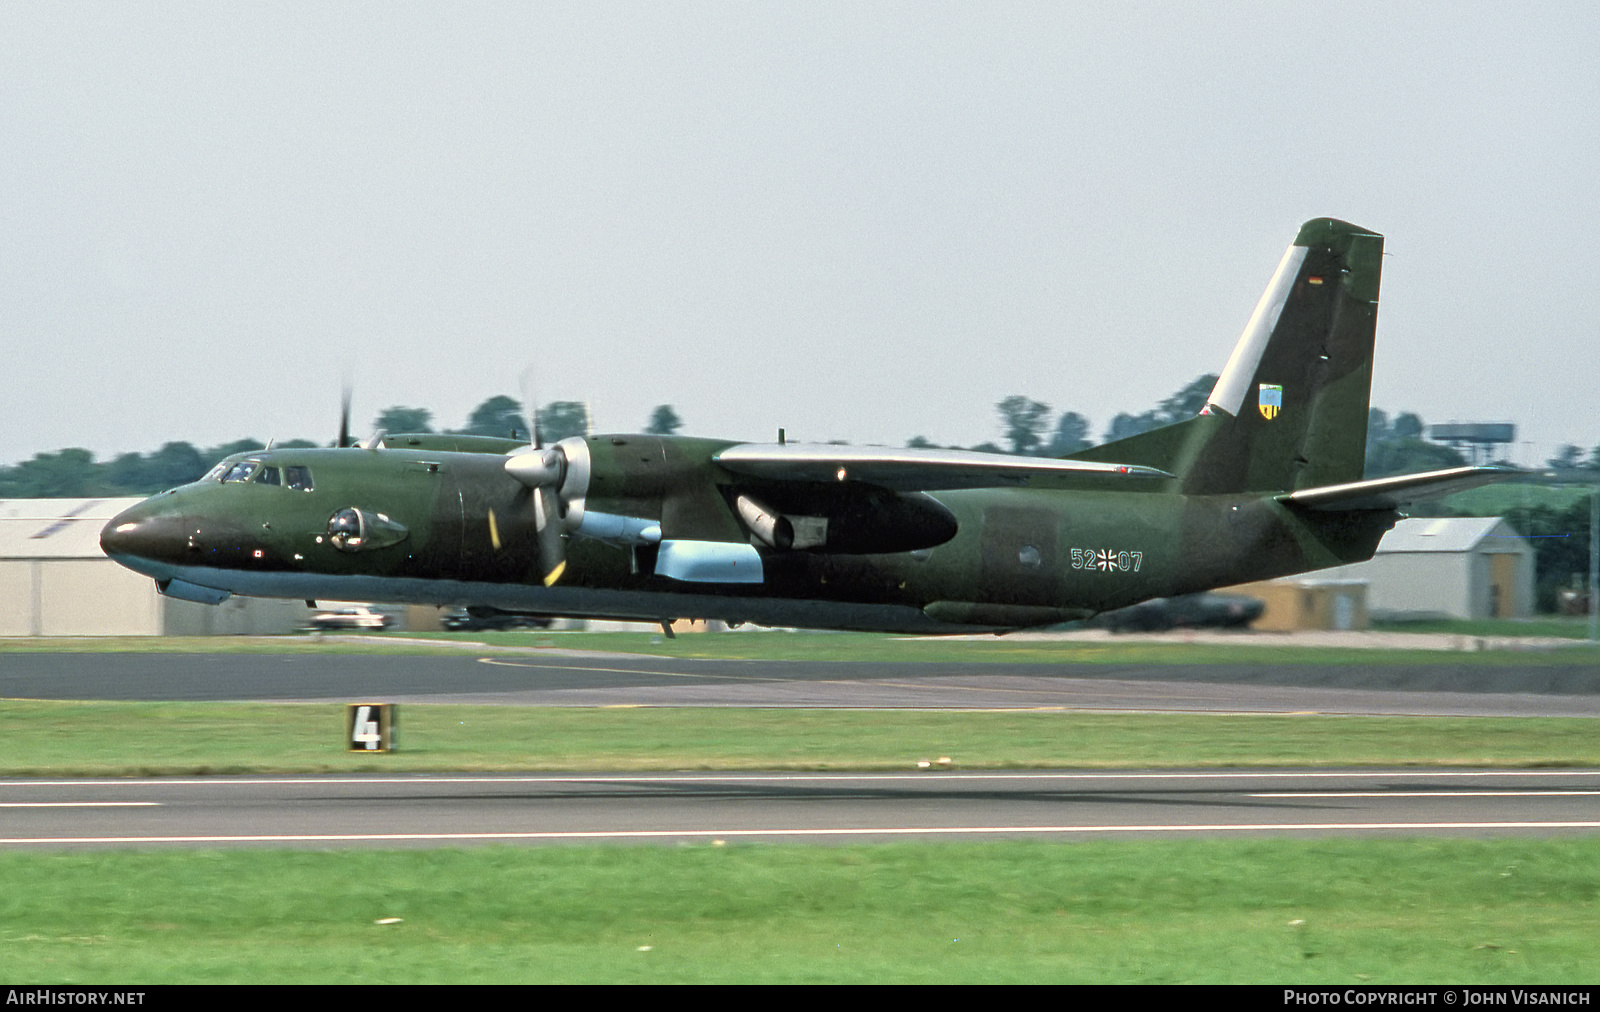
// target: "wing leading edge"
[[911, 469]]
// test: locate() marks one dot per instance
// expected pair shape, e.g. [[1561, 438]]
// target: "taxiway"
[[572, 678]]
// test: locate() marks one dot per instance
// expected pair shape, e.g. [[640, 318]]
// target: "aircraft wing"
[[911, 469], [1398, 491]]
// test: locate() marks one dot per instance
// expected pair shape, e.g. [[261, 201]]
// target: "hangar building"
[[55, 581], [1464, 567], [1461, 567]]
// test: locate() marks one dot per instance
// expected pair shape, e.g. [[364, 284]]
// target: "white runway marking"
[[1429, 794], [667, 834], [500, 662], [943, 683], [80, 804]]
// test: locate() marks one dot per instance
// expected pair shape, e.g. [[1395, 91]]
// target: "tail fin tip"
[[1325, 231]]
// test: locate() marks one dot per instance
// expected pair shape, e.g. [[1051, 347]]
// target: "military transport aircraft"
[[1266, 481]]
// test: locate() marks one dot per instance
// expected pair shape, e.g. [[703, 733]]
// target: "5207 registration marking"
[[1107, 560]]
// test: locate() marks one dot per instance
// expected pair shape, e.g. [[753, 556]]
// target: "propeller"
[[543, 469], [344, 415]]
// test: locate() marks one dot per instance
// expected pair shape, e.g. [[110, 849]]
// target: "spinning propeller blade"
[[542, 470], [344, 415]]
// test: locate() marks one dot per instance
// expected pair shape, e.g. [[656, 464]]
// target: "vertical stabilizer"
[[1289, 410]]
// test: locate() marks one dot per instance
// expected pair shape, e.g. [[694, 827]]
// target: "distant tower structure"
[[1477, 440]]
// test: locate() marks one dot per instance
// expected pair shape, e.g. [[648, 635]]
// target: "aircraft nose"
[[144, 532]]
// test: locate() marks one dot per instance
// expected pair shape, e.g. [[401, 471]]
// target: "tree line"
[[74, 473], [1027, 426], [1394, 446]]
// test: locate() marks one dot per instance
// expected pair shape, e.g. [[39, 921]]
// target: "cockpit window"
[[296, 477]]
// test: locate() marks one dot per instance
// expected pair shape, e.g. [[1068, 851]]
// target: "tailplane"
[[1398, 492]]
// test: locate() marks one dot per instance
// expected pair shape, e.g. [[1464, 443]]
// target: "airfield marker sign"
[[369, 727]]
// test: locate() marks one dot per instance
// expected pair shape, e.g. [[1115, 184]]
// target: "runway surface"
[[570, 678], [368, 811]]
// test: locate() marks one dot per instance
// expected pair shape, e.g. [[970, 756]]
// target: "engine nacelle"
[[777, 530]]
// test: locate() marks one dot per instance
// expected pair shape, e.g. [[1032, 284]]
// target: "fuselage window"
[[298, 478], [269, 476], [216, 473], [242, 471]]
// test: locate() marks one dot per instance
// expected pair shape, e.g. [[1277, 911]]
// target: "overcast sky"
[[860, 221]]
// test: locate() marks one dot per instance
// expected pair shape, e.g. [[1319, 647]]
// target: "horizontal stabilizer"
[[909, 470], [1398, 491]]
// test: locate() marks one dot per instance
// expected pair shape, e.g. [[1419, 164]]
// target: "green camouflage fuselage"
[[1063, 548]]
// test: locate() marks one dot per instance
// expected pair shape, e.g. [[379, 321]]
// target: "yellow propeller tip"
[[555, 574]]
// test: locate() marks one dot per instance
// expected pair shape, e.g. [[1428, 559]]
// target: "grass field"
[[1203, 911], [1497, 500], [1567, 627], [152, 739]]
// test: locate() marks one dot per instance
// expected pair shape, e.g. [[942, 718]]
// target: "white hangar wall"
[[55, 581], [1466, 567]]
